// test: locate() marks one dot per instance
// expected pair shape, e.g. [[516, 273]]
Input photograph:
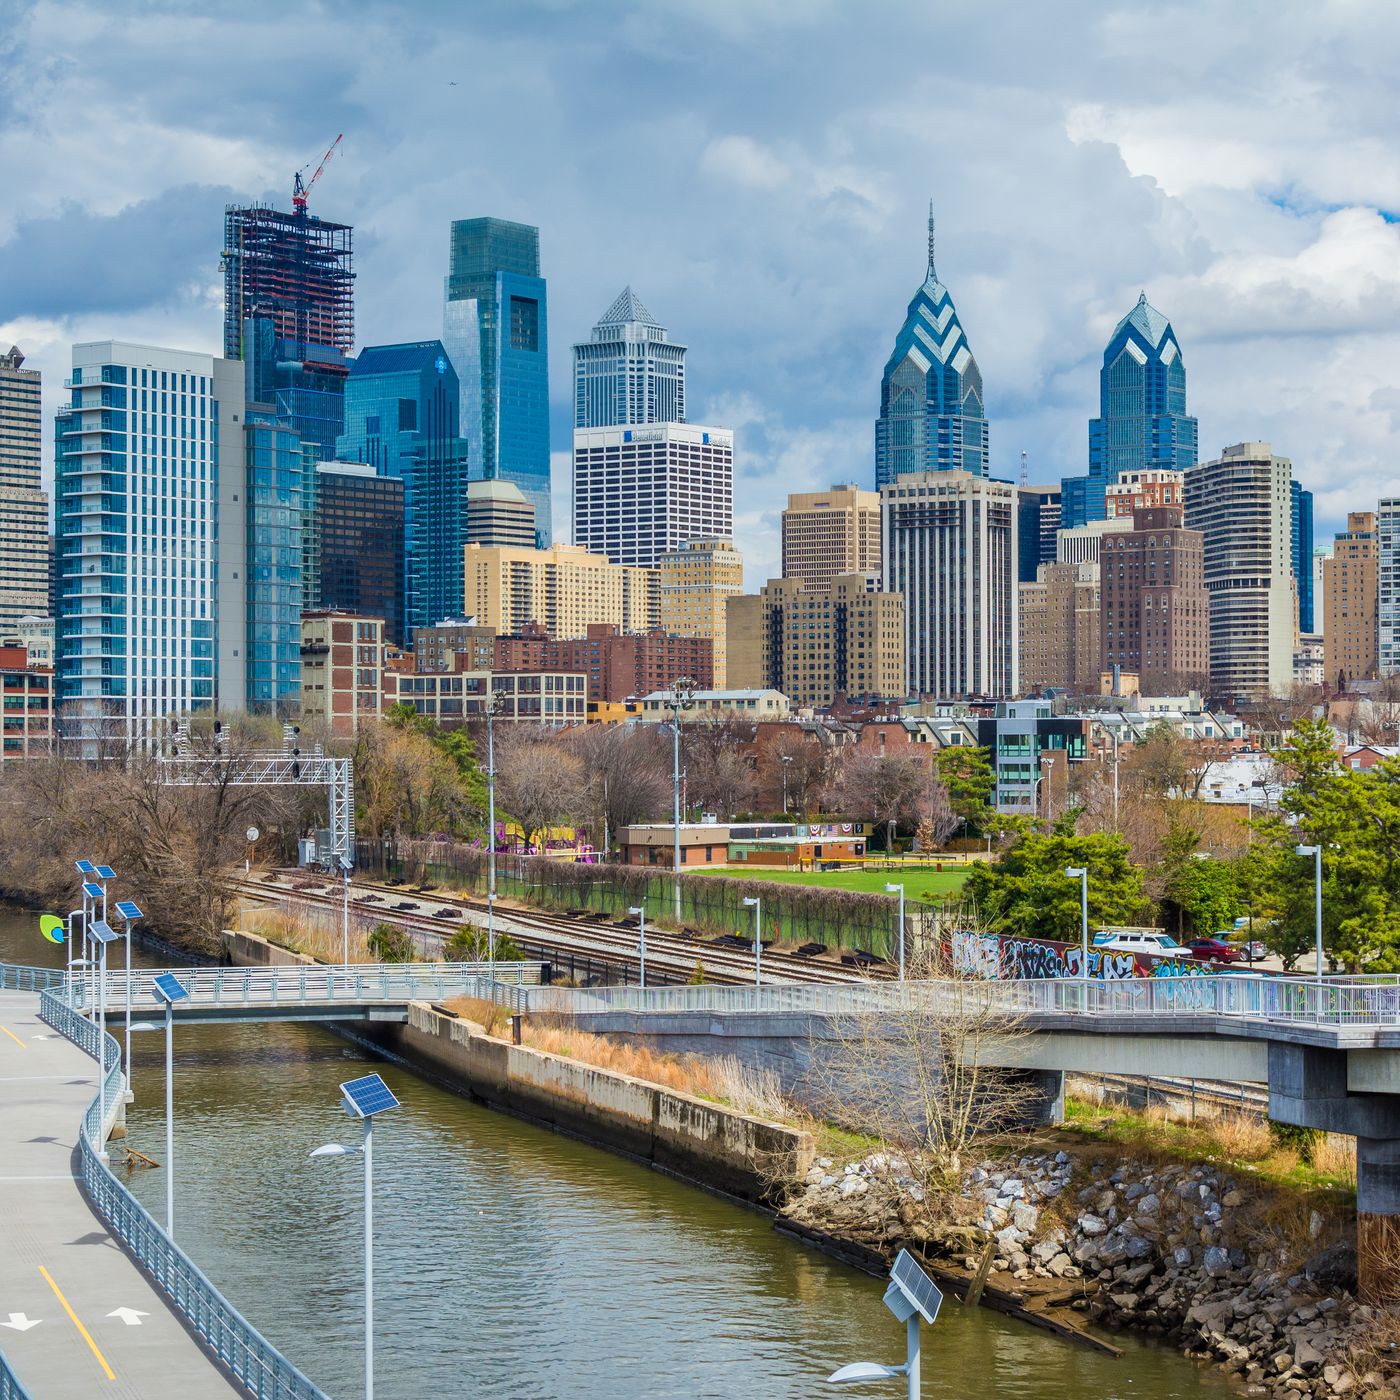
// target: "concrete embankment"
[[700, 1141]]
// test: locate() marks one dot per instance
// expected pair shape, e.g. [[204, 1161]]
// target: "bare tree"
[[926, 1067], [885, 788], [539, 781], [1378, 715], [627, 773], [795, 764], [719, 775]]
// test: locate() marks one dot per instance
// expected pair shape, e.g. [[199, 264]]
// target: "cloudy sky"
[[759, 171]]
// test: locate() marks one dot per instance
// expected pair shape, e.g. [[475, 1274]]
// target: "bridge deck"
[[59, 1266]]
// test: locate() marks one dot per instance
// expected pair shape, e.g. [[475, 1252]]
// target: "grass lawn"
[[919, 882]]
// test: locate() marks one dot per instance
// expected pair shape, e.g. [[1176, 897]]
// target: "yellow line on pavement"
[[14, 1037], [87, 1336]]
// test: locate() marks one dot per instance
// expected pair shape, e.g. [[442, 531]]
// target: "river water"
[[511, 1262]]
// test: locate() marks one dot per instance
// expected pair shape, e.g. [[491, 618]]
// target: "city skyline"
[[781, 244]]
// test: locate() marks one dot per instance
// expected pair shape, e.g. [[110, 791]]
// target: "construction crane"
[[301, 191]]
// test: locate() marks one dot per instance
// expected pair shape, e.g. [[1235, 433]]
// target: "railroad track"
[[555, 938]]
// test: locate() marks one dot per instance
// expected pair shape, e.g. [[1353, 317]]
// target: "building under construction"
[[293, 270]]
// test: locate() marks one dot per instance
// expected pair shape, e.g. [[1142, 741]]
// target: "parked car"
[[1253, 950], [1213, 950], [1153, 942]]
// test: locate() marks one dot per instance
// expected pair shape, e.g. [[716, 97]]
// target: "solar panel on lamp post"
[[129, 911], [753, 901], [891, 889], [84, 869], [912, 1297], [104, 873], [103, 934], [641, 913], [92, 892], [365, 1098]]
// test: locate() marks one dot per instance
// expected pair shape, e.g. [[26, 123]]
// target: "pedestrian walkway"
[[77, 1317]]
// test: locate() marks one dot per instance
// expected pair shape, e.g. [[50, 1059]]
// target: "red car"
[[1213, 950]]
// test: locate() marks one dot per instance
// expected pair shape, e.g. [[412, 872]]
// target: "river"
[[511, 1262]]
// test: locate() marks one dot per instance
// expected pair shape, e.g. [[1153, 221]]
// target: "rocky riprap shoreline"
[[1188, 1254]]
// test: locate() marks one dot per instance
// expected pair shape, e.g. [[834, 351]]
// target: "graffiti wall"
[[994, 955]]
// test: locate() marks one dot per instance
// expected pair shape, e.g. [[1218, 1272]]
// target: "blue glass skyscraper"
[[932, 416], [1142, 422], [401, 406], [494, 328], [1301, 503]]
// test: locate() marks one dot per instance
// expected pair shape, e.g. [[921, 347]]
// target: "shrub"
[[390, 944], [470, 944], [1304, 1141]]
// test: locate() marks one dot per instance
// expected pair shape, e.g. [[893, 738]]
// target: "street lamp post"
[[913, 1298], [364, 1099], [1115, 780], [495, 704], [86, 869], [1316, 853], [103, 934], [785, 760], [1081, 873], [641, 913], [252, 835], [682, 691], [753, 901], [129, 911], [892, 889], [346, 867], [168, 990]]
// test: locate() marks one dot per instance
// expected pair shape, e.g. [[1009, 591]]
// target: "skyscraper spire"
[[932, 275]]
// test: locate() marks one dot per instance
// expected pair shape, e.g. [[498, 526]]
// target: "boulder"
[[1334, 1268], [1092, 1225], [1024, 1217], [1216, 1261]]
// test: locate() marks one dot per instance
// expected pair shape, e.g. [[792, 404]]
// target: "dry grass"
[[724, 1080], [1231, 1139], [309, 933]]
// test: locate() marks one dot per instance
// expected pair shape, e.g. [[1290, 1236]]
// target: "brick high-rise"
[[1154, 619], [1350, 586]]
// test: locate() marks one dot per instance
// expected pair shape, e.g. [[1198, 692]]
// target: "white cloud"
[[740, 160]]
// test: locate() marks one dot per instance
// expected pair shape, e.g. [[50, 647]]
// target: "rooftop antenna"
[[933, 276], [1025, 470]]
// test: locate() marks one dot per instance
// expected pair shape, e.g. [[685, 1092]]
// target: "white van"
[[1151, 941]]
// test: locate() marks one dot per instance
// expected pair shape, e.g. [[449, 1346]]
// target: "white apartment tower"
[[1242, 504], [629, 370], [950, 547], [1388, 585], [24, 508], [640, 492], [151, 538]]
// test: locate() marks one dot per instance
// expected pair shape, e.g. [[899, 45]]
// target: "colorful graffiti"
[[995, 956]]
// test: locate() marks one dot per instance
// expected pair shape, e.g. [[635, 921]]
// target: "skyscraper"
[[1350, 583], [272, 562], [401, 405], [932, 417], [150, 479], [289, 314], [1242, 503], [1387, 587], [693, 583], [629, 370], [24, 508], [359, 523], [1142, 422], [494, 329], [1038, 510], [498, 513], [830, 533], [949, 544], [639, 492], [1301, 535]]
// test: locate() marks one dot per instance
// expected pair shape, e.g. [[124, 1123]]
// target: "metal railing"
[[262, 1370], [388, 983], [16, 978], [10, 1386], [1293, 1000]]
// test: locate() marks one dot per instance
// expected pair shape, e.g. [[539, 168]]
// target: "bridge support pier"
[[1308, 1088]]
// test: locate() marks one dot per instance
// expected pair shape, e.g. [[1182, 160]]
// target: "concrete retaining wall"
[[695, 1139], [252, 950]]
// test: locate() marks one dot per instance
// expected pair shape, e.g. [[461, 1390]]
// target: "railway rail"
[[561, 939]]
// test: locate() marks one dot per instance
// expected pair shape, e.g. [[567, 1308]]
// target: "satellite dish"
[[252, 833]]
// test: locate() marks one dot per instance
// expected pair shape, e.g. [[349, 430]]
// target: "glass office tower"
[[1301, 503], [274, 559], [932, 417], [401, 406], [494, 328], [1142, 422]]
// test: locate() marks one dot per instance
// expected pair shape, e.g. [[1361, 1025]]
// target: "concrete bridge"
[[1328, 1050]]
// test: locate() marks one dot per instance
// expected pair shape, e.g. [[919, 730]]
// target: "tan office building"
[[1351, 595], [694, 583], [830, 533], [24, 508], [562, 589], [1059, 641]]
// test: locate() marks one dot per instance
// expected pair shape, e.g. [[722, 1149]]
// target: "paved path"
[[59, 1267]]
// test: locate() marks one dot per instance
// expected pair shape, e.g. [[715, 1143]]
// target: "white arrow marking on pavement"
[[21, 1323], [130, 1316]]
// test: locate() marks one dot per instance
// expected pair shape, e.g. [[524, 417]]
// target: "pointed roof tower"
[[627, 309]]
